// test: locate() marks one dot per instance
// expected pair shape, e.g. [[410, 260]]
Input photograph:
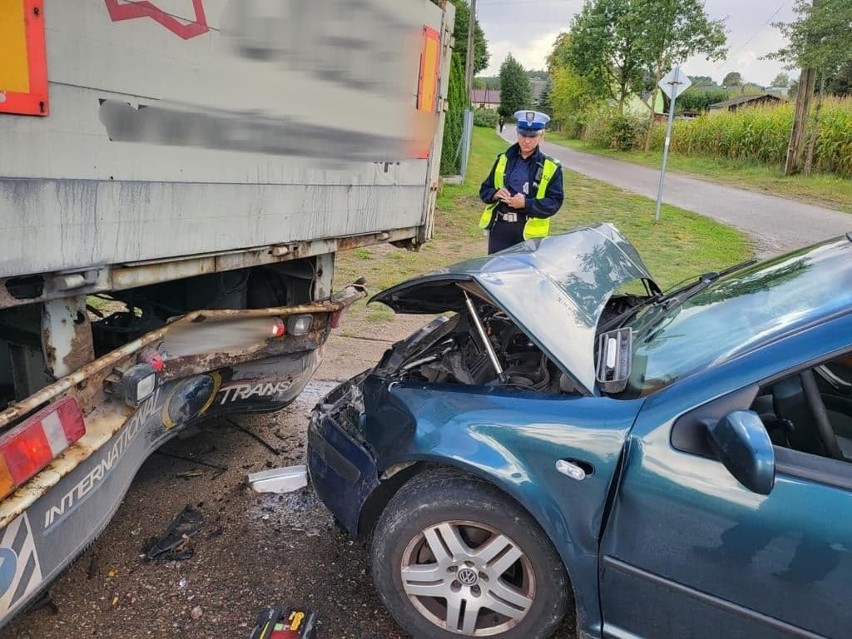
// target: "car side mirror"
[[742, 444]]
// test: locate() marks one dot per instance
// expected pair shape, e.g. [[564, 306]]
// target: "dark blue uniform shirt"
[[520, 172]]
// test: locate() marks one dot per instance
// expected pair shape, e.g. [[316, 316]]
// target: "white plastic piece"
[[571, 470], [279, 480]]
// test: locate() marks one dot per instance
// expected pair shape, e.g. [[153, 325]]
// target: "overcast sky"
[[527, 29]]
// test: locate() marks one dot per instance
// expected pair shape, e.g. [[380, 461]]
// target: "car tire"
[[502, 559]]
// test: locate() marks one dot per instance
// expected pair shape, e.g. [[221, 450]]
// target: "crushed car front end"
[[343, 470], [477, 389]]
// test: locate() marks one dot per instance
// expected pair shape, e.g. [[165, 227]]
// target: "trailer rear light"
[[138, 383], [153, 358], [278, 328], [32, 445], [299, 324]]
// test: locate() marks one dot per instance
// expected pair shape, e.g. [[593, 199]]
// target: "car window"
[[732, 315], [810, 411]]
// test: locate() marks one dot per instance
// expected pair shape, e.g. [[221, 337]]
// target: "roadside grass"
[[831, 191], [680, 245]]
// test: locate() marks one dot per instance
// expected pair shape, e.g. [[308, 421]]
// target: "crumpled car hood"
[[555, 288]]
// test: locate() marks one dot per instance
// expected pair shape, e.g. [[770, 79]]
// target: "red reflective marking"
[[145, 9], [278, 328], [27, 453], [72, 421], [35, 102], [26, 450]]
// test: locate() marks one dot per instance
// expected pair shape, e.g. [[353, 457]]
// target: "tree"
[[571, 93], [560, 56], [699, 81], [698, 99], [491, 81], [794, 89], [625, 47], [818, 43], [605, 48], [841, 83], [479, 83], [545, 100], [454, 119], [733, 79], [480, 44], [571, 98], [515, 93], [670, 32], [782, 80]]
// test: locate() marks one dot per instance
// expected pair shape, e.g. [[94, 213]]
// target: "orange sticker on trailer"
[[429, 61], [23, 74], [427, 85]]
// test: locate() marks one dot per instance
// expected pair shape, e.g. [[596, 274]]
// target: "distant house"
[[637, 105], [744, 101], [485, 98]]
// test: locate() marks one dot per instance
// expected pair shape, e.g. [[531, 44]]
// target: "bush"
[[608, 128], [485, 118], [621, 133], [454, 119]]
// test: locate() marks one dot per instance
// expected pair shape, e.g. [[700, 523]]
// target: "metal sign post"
[[673, 84]]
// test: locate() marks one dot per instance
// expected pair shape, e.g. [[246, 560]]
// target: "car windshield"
[[737, 312]]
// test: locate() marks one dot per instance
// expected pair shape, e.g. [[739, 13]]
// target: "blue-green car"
[[570, 440]]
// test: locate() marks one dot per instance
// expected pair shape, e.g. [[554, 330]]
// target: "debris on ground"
[[279, 480], [188, 474], [92, 569], [176, 543]]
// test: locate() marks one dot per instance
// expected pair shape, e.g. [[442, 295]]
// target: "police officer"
[[523, 189]]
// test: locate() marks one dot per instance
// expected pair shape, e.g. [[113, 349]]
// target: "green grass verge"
[[681, 244], [831, 191]]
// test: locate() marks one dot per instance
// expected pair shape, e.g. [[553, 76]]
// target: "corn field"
[[760, 134]]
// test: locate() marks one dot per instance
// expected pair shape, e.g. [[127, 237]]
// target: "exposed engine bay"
[[454, 350], [455, 353]]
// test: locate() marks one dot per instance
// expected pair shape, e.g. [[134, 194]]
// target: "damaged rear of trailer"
[[176, 178]]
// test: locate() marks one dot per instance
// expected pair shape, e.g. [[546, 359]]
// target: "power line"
[[754, 35]]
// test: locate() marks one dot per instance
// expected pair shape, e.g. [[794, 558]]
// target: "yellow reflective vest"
[[535, 226]]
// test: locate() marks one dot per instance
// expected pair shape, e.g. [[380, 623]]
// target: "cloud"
[[532, 55], [528, 28]]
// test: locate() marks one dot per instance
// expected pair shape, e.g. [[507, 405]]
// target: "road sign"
[[674, 83]]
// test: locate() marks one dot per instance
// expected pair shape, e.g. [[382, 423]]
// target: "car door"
[[690, 552]]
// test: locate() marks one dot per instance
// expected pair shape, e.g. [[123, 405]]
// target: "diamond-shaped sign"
[[674, 83]]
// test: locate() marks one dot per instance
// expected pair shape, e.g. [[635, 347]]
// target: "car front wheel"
[[453, 555]]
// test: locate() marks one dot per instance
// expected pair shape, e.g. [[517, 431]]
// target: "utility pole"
[[796, 147], [468, 69], [804, 95]]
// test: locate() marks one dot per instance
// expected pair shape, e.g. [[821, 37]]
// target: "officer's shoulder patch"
[[552, 159]]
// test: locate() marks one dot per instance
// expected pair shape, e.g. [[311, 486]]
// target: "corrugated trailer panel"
[[179, 127]]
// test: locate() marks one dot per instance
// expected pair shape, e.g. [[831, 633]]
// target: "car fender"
[[514, 441]]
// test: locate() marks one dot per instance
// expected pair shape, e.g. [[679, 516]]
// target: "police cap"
[[531, 123]]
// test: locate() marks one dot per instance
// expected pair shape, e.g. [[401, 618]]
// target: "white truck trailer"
[[176, 177]]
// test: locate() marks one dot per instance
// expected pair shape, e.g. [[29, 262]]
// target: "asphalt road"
[[775, 224]]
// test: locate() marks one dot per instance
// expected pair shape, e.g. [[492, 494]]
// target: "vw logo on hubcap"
[[467, 576]]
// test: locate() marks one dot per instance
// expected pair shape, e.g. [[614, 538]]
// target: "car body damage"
[[567, 434], [521, 335]]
